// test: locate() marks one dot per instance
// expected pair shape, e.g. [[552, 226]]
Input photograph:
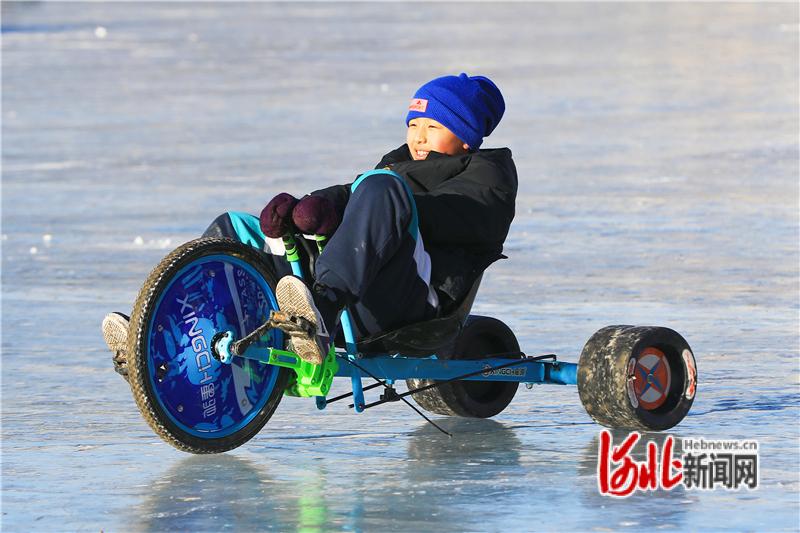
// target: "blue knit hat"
[[469, 106]]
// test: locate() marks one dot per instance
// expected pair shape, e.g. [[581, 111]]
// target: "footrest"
[[309, 379]]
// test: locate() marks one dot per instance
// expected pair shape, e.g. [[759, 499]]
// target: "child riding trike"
[[208, 360]]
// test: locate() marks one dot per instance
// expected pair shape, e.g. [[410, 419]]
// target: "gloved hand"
[[276, 217], [316, 215]]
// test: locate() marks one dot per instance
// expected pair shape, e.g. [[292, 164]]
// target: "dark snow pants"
[[376, 256]]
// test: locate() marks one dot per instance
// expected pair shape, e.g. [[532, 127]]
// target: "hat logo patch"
[[418, 104]]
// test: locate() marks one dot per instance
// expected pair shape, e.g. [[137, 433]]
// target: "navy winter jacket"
[[465, 205]]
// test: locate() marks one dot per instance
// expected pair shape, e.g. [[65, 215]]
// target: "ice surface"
[[657, 151]]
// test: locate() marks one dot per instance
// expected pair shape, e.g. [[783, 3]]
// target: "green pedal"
[[309, 379]]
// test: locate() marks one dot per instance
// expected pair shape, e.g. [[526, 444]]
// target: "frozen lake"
[[657, 148]]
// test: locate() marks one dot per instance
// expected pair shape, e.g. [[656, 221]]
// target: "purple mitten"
[[276, 218], [315, 215]]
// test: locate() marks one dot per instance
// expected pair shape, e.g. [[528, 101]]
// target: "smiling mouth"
[[421, 154]]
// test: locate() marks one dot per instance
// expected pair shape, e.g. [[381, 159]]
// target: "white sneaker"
[[295, 299], [115, 333]]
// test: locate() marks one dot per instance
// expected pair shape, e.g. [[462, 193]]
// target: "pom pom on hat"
[[469, 106]]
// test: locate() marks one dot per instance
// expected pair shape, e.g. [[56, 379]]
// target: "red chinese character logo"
[[619, 475]]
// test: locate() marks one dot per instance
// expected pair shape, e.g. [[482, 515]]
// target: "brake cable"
[[388, 388], [392, 396]]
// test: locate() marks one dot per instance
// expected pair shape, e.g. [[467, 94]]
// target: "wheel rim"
[[199, 394], [652, 378]]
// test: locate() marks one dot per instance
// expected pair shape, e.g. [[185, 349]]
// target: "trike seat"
[[423, 338]]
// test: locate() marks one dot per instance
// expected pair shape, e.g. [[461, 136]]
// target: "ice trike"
[[208, 362]]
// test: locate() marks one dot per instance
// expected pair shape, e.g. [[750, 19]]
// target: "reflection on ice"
[[440, 478], [221, 492]]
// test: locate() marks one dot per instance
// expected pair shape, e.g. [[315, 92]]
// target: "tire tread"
[[137, 363]]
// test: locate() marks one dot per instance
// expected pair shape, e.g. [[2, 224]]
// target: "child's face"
[[425, 135]]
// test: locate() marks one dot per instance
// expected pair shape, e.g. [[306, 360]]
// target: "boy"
[[438, 186]]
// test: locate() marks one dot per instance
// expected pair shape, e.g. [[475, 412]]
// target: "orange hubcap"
[[652, 378]]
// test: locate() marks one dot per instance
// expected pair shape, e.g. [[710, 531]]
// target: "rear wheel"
[[190, 399], [637, 377], [480, 337]]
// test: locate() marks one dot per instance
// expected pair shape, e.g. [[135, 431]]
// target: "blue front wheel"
[[190, 399]]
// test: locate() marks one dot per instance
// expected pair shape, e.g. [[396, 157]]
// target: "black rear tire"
[[480, 336], [641, 378]]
